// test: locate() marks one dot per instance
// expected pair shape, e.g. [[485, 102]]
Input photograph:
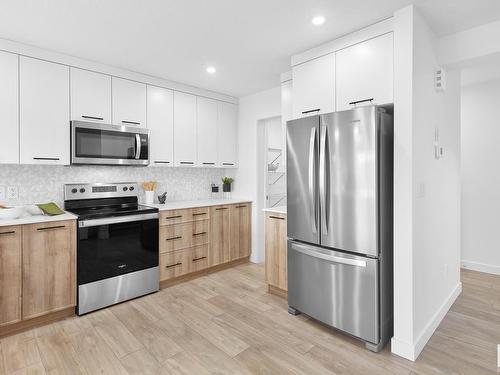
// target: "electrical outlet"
[[2, 193], [12, 192]]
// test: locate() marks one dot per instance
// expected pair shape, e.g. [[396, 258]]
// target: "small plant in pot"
[[226, 184]]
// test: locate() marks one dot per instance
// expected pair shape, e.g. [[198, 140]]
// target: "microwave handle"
[[137, 146]]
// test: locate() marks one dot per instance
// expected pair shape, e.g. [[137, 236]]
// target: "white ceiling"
[[248, 41]]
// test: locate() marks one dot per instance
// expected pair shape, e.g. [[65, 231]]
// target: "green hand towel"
[[51, 209]]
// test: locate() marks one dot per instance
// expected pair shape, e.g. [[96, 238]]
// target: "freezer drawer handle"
[[331, 258], [361, 101]]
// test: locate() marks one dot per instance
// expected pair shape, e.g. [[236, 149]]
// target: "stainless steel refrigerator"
[[340, 220]]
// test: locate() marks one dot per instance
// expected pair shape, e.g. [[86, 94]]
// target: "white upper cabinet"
[[365, 71], [161, 125], [226, 135], [184, 129], [129, 102], [44, 112], [314, 86], [90, 96], [9, 108], [207, 132]]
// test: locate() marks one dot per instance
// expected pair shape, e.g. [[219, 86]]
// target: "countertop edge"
[[179, 205], [276, 210], [37, 219]]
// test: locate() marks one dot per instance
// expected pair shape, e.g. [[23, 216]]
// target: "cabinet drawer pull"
[[7, 233], [199, 234], [55, 159], [161, 162], [173, 217], [199, 213], [227, 163], [361, 101], [187, 162], [174, 238], [200, 258], [221, 208], [276, 217], [93, 117], [241, 206], [173, 265], [131, 122], [50, 228], [208, 163], [311, 111]]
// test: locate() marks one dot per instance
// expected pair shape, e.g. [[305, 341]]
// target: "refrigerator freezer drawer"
[[338, 289]]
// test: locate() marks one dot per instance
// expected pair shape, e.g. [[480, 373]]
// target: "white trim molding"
[[412, 351], [481, 267]]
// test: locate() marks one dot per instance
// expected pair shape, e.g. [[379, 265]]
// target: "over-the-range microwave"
[[93, 143]]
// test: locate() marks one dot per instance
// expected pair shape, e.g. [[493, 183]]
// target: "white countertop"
[[176, 205], [37, 219], [276, 210]]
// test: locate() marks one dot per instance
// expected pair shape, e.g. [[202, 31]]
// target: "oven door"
[[108, 144], [116, 246]]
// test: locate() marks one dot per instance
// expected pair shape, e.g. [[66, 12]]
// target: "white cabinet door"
[[90, 96], [207, 132], [314, 86], [227, 135], [9, 108], [365, 71], [44, 112], [129, 102], [184, 129], [161, 125]]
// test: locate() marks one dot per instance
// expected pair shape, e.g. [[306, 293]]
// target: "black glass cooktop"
[[107, 207]]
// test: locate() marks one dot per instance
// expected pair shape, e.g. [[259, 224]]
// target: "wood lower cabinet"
[[49, 270], [240, 243], [219, 235], [10, 274], [276, 251]]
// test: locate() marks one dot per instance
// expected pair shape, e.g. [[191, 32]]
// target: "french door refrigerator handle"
[[312, 179], [323, 181], [331, 258]]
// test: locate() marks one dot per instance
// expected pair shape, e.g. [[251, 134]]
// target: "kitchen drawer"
[[175, 264], [175, 216], [200, 213], [199, 258], [181, 236]]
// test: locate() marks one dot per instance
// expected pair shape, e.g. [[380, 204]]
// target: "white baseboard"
[[412, 351], [481, 267]]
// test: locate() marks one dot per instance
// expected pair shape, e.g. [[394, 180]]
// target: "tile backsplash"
[[44, 183]]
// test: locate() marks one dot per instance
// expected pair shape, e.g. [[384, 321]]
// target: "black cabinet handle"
[[173, 265], [200, 258], [131, 122], [227, 163], [277, 217], [241, 206], [93, 117], [161, 162], [173, 217], [311, 111], [50, 228], [7, 233], [221, 208], [199, 213], [361, 101], [46, 159], [187, 162], [208, 163], [199, 234], [174, 238]]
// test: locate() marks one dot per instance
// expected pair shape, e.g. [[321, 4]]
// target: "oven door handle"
[[138, 146], [116, 220]]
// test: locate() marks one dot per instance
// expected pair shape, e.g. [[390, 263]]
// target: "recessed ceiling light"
[[211, 70], [318, 20]]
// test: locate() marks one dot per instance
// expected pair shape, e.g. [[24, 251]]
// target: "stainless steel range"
[[117, 252]]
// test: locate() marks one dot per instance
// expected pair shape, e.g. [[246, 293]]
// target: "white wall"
[[251, 109], [427, 191], [480, 177]]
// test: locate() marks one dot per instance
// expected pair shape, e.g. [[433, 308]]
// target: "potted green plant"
[[226, 184]]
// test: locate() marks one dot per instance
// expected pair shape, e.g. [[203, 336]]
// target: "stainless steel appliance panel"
[[107, 292], [302, 179], [348, 185], [336, 288]]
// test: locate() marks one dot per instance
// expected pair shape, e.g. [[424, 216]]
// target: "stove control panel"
[[100, 190]]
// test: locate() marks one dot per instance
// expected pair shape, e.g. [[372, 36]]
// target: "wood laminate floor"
[[226, 323]]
